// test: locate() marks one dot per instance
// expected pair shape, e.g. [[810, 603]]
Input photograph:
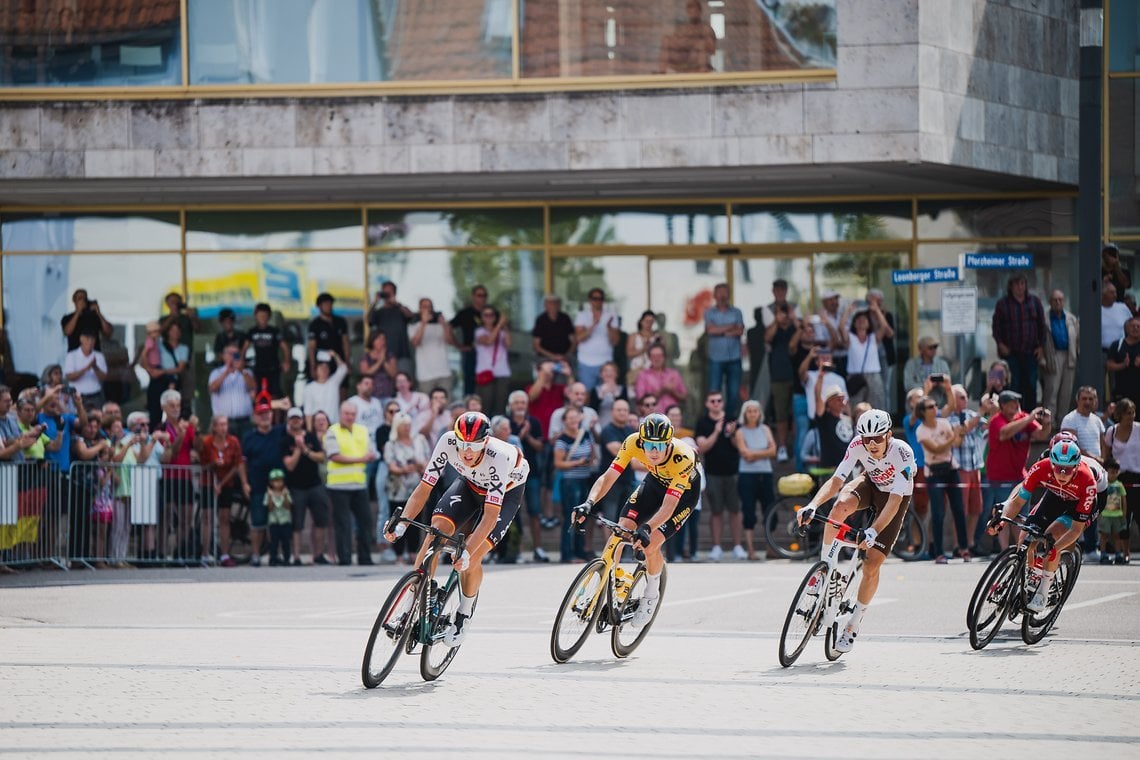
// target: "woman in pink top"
[[938, 441], [664, 383]]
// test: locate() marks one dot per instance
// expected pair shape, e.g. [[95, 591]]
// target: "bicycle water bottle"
[[622, 581]]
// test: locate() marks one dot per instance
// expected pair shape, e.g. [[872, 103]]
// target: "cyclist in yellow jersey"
[[660, 505]]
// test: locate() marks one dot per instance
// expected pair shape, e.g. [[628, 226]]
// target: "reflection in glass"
[[996, 219], [752, 290], [596, 38], [1123, 165], [808, 224], [90, 232], [695, 225], [37, 295], [462, 227], [303, 41], [1123, 35], [267, 230], [58, 44]]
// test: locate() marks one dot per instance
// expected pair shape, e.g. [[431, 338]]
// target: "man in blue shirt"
[[724, 325], [1059, 362], [262, 449], [60, 427]]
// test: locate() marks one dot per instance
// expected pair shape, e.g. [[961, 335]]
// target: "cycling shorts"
[[1052, 508], [463, 507], [872, 498], [644, 502]]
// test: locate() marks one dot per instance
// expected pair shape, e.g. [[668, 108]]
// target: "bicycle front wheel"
[[991, 600], [781, 530], [803, 615], [436, 655], [579, 609], [625, 637], [392, 627], [911, 542], [1035, 625]]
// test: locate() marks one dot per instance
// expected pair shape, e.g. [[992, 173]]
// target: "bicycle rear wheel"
[[911, 542], [625, 638], [991, 599], [803, 614], [781, 530], [436, 655], [575, 616], [392, 627], [1035, 625]]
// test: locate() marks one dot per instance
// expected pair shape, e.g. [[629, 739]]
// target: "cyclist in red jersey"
[[1066, 509]]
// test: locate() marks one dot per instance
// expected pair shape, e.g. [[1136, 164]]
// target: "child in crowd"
[[280, 506], [1113, 522]]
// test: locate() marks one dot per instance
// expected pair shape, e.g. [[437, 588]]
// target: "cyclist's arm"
[[668, 506], [416, 503], [887, 513], [603, 484], [827, 491], [1015, 501]]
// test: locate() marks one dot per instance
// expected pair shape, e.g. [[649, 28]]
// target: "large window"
[[820, 224], [303, 41], [653, 225], [1123, 158], [575, 38], [88, 44]]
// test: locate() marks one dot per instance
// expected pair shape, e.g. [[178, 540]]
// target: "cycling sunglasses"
[[470, 445], [1063, 471], [876, 439], [655, 446]]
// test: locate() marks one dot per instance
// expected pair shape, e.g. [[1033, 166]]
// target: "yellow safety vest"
[[352, 443]]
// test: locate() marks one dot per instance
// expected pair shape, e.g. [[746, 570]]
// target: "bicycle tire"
[[374, 676], [1035, 627], [912, 540], [998, 584], [810, 616], [429, 668], [625, 614], [780, 530], [575, 597]]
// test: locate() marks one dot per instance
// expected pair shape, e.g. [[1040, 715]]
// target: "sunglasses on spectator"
[[392, 410], [875, 439], [654, 446], [716, 401], [929, 406], [648, 404], [597, 298]]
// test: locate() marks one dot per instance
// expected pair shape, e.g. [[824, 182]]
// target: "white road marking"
[[1098, 600]]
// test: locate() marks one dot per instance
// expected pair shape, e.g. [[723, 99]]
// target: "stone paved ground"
[[265, 663]]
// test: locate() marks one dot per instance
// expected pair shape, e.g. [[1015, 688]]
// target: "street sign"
[[923, 276], [999, 261], [959, 311]]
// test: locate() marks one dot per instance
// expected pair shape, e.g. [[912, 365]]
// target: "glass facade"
[[651, 225], [251, 43], [831, 224]]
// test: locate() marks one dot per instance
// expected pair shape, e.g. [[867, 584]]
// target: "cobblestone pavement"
[[266, 662]]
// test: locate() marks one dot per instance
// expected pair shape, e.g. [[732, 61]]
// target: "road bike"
[[418, 612], [1010, 581], [782, 530], [826, 595], [603, 595]]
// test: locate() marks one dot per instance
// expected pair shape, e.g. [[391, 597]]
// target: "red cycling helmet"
[[472, 427]]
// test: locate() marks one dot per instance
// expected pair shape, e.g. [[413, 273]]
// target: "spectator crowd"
[[324, 474]]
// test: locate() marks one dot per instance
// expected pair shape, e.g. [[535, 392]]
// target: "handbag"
[[487, 376], [857, 381]]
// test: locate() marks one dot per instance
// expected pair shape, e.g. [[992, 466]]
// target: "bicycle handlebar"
[[844, 529], [458, 539]]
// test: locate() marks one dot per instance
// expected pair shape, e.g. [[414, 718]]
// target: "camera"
[[559, 367], [938, 377], [323, 356], [815, 320]]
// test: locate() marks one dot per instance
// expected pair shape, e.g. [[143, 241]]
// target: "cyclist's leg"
[[873, 560], [454, 508]]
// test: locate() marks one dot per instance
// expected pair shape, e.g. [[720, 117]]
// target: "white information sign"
[[959, 311]]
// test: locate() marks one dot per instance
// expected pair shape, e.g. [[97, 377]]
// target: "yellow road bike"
[[603, 595]]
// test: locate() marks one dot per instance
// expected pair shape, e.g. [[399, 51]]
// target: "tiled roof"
[[33, 21]]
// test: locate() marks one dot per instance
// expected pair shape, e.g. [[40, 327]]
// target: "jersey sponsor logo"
[[906, 473], [435, 470], [882, 477], [678, 458]]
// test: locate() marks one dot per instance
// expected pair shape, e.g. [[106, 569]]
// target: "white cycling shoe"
[[456, 632], [644, 612], [846, 641], [1039, 600]]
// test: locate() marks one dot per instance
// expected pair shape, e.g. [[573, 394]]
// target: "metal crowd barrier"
[[102, 514]]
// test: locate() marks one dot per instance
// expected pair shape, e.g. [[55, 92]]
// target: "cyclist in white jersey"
[[885, 487], [488, 493]]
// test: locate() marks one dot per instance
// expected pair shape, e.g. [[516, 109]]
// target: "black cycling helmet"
[[656, 428], [472, 427]]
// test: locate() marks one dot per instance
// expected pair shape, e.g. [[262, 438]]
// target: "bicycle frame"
[[442, 543], [613, 588], [840, 572]]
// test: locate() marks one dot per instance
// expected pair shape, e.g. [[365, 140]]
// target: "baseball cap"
[[295, 412], [324, 297], [226, 314], [262, 406], [1007, 396], [829, 293], [277, 474], [831, 391]]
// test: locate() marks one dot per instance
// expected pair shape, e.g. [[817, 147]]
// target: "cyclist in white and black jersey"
[[885, 487], [487, 494]]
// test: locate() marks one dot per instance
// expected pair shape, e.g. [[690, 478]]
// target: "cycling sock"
[[1046, 579], [857, 616], [466, 604], [652, 586]]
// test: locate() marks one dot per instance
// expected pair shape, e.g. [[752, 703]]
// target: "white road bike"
[[826, 596]]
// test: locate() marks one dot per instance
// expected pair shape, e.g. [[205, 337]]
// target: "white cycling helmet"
[[873, 422]]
